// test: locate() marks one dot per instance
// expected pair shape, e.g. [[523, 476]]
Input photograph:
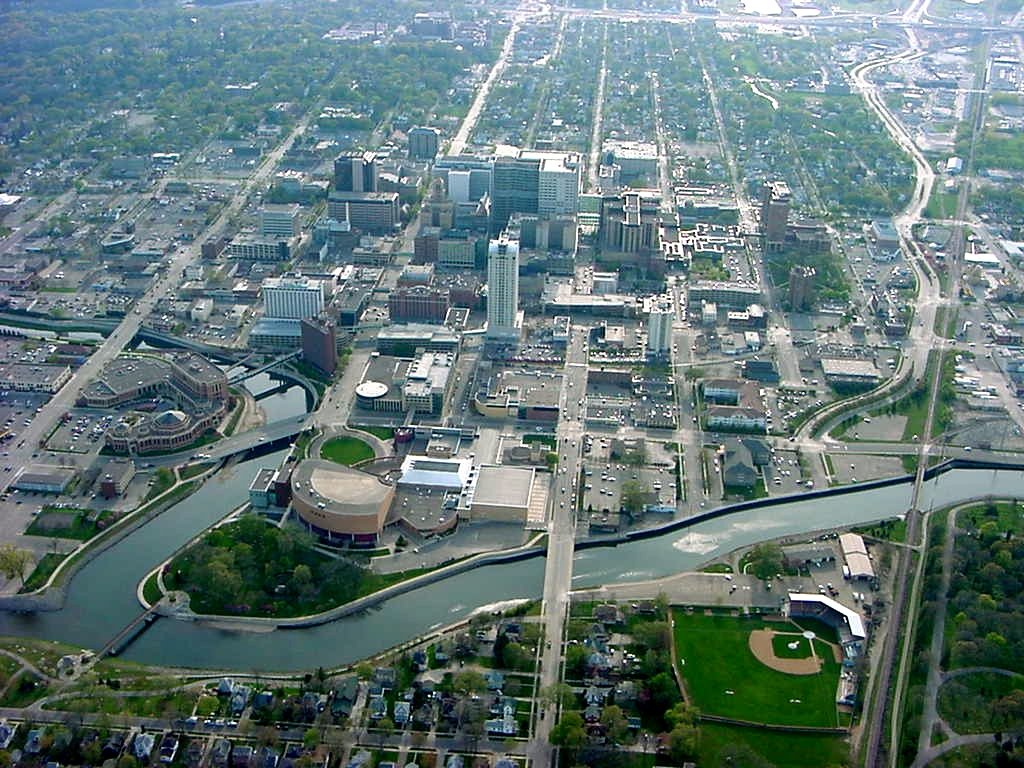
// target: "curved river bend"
[[101, 597]]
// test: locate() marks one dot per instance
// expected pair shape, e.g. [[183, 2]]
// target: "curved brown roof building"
[[340, 504]]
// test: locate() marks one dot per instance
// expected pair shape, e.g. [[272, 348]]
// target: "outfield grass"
[[780, 645], [715, 657], [783, 750], [346, 450]]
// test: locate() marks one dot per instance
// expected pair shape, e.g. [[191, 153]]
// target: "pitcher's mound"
[[760, 642]]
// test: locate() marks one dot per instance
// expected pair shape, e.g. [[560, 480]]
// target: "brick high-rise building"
[[801, 287], [419, 304], [775, 198], [320, 343]]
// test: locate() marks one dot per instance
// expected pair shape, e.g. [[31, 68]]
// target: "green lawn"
[[780, 644], [66, 523], [384, 433], [783, 750], [47, 564], [724, 678], [346, 450], [151, 589]]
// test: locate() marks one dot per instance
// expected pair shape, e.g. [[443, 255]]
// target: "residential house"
[[220, 753], [607, 614], [378, 708], [194, 753], [239, 698], [113, 746], [345, 692], [495, 680], [7, 733], [267, 757], [241, 756], [33, 742], [168, 748], [505, 725], [142, 746], [403, 712]]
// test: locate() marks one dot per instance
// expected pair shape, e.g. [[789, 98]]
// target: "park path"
[[930, 715]]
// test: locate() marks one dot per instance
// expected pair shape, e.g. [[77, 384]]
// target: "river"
[[101, 598]]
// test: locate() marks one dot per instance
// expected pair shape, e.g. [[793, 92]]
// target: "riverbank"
[[50, 596]]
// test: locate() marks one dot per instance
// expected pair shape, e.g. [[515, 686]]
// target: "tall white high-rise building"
[[293, 298], [503, 288], [660, 315]]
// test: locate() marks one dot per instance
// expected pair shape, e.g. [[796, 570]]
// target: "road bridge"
[[243, 375]]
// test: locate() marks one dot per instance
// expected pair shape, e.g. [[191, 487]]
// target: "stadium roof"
[[853, 619]]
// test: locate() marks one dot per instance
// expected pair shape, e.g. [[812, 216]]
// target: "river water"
[[101, 597]]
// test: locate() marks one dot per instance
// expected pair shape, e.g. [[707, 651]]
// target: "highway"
[[561, 533]]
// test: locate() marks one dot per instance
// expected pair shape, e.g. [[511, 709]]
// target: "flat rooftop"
[[503, 486]]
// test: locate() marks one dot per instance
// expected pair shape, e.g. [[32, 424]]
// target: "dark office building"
[[356, 171], [320, 343], [424, 143], [515, 189]]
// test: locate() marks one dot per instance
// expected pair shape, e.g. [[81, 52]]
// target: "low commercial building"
[[33, 377], [855, 553], [117, 475], [262, 490], [44, 478], [738, 419], [503, 494], [398, 385], [340, 504], [404, 340], [734, 295], [252, 248], [527, 395], [850, 373]]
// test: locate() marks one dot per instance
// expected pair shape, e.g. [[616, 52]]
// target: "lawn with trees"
[[251, 568]]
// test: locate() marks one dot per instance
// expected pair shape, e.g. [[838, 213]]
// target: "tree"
[[652, 634], [575, 661], [311, 738], [635, 496], [684, 742], [557, 695], [301, 577], [766, 560], [469, 681], [14, 562], [568, 732], [514, 656], [615, 724]]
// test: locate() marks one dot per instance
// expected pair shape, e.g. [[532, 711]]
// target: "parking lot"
[[82, 432], [784, 475]]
